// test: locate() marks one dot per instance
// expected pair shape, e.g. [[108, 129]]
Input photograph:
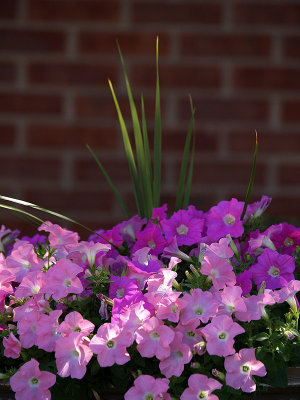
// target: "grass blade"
[[109, 181], [157, 140], [251, 178], [129, 154], [140, 156], [189, 178], [184, 163], [25, 213], [27, 204], [147, 152]]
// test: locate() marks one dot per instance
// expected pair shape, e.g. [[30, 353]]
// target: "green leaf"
[[189, 179], [27, 204], [147, 151], [109, 181], [129, 154], [157, 140], [261, 337], [140, 156], [184, 163], [251, 178]]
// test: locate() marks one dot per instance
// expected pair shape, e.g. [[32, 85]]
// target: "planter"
[[292, 392]]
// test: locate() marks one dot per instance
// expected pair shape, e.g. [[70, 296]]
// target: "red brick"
[[231, 109], [71, 74], [7, 72], [285, 207], [87, 170], [174, 140], [268, 142], [69, 202], [31, 41], [75, 10], [8, 9], [267, 78], [24, 103], [95, 106], [219, 172], [289, 174], [150, 12], [256, 13], [225, 45], [177, 76], [30, 168], [291, 46], [7, 134], [130, 42], [70, 136], [290, 111]]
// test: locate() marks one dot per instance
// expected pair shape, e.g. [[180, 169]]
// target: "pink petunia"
[[22, 260], [12, 346], [219, 334], [219, 270], [240, 367], [231, 300], [199, 304], [255, 306], [72, 355], [46, 330], [29, 383], [74, 322], [154, 338], [61, 279], [224, 219], [148, 388], [151, 237], [200, 387], [30, 285], [273, 268], [192, 336], [110, 344], [180, 354]]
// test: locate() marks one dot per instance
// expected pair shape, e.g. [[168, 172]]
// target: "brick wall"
[[240, 61]]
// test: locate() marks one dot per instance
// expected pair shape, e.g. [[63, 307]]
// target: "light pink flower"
[[72, 355], [46, 330], [6, 277], [61, 279], [30, 285], [87, 251], [255, 307], [287, 294], [12, 346], [148, 388], [27, 329], [219, 270], [240, 367], [154, 338], [220, 333], [110, 344], [199, 304], [74, 322], [29, 383], [169, 307], [200, 387], [231, 300], [22, 260], [192, 336], [180, 354]]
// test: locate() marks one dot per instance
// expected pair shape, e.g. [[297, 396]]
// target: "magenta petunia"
[[224, 219], [273, 268], [240, 367], [184, 226], [286, 239], [150, 237]]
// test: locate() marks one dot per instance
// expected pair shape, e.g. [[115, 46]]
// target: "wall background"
[[240, 61]]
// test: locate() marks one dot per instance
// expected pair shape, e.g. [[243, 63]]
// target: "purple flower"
[[273, 268]]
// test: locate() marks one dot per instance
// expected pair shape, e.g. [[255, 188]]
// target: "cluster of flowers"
[[174, 290]]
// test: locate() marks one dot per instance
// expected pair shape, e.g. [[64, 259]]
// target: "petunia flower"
[[29, 383], [219, 334], [12, 346], [148, 388], [200, 387], [240, 367]]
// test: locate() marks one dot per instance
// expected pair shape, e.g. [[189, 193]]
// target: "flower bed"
[[200, 305]]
